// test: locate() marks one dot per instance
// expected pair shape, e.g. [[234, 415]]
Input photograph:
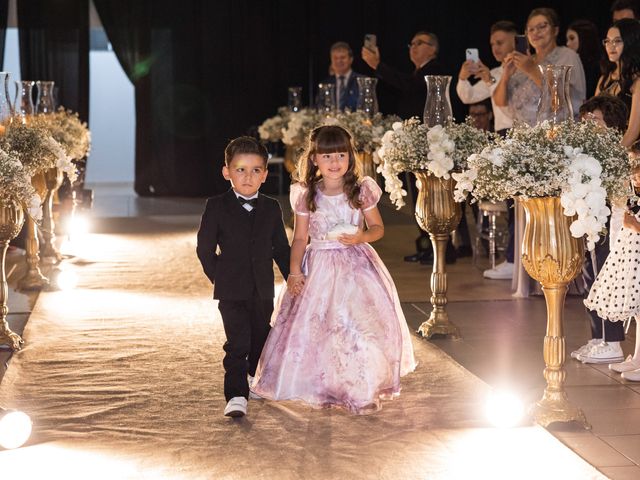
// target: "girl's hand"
[[352, 239], [295, 283]]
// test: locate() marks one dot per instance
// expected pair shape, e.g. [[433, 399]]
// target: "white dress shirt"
[[480, 91]]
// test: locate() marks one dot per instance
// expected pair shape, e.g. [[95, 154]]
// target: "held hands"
[[295, 283]]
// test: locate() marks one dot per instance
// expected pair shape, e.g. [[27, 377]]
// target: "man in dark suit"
[[423, 52], [241, 234], [343, 77]]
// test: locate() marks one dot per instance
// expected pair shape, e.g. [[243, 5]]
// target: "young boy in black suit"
[[241, 234]]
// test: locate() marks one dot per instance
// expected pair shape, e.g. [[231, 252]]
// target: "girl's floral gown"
[[344, 341]]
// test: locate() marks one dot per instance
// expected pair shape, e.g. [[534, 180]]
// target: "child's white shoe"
[[585, 348], [628, 365], [633, 375], [603, 353], [236, 407]]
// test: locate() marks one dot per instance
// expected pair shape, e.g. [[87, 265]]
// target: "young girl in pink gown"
[[339, 336]]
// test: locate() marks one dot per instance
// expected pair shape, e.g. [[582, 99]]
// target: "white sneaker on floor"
[[236, 407], [252, 396], [633, 375], [628, 365], [503, 271], [603, 353], [585, 348]]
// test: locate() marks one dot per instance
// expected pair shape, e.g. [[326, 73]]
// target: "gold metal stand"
[[437, 214], [49, 252], [553, 257], [11, 220], [366, 164]]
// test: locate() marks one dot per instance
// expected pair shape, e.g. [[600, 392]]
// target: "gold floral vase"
[[11, 220], [553, 257], [438, 214], [33, 279], [366, 164], [48, 250]]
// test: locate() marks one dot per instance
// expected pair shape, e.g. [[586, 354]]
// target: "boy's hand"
[[295, 283]]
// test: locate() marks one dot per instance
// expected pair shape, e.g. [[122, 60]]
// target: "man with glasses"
[[423, 52]]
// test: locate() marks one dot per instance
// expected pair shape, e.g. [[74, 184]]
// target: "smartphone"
[[522, 44], [473, 55], [370, 41]]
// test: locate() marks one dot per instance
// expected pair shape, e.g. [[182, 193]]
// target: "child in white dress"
[[615, 295]]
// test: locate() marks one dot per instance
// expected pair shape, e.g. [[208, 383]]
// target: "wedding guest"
[[343, 77], [625, 9], [241, 234], [604, 345], [423, 52], [582, 37], [502, 40], [621, 72], [482, 115], [520, 87]]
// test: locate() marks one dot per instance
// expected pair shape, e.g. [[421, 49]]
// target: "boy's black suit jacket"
[[248, 244]]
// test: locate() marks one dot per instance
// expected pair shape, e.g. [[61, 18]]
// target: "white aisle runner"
[[123, 379]]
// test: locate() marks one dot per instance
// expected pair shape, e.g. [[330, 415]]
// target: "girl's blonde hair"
[[328, 139]]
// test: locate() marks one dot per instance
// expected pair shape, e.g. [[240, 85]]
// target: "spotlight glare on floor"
[[15, 429], [66, 280], [504, 409], [78, 225]]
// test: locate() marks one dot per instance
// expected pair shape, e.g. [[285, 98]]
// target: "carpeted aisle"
[[123, 379]]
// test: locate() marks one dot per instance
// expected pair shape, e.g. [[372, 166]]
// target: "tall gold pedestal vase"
[[553, 257], [34, 279], [366, 164], [11, 220], [437, 214], [48, 250]]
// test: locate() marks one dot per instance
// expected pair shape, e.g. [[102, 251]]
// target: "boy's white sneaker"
[[236, 407], [627, 366], [603, 353], [585, 348]]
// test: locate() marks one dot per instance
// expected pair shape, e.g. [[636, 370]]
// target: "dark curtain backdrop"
[[4, 17], [54, 45], [205, 72]]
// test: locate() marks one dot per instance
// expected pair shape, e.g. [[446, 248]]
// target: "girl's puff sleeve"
[[370, 193], [298, 199]]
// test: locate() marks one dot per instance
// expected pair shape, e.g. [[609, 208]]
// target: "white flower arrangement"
[[271, 129], [367, 131], [411, 146], [15, 185], [582, 163], [34, 147], [299, 125]]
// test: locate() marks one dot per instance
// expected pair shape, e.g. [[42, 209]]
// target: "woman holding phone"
[[520, 87]]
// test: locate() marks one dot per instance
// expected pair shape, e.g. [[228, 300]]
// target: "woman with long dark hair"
[[582, 37], [621, 72]]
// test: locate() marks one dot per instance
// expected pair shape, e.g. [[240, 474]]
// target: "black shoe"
[[417, 257], [464, 251]]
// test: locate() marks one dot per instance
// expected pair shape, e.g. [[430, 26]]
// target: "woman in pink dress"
[[339, 336]]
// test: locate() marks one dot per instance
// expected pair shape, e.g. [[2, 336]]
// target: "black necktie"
[[341, 90], [252, 202]]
